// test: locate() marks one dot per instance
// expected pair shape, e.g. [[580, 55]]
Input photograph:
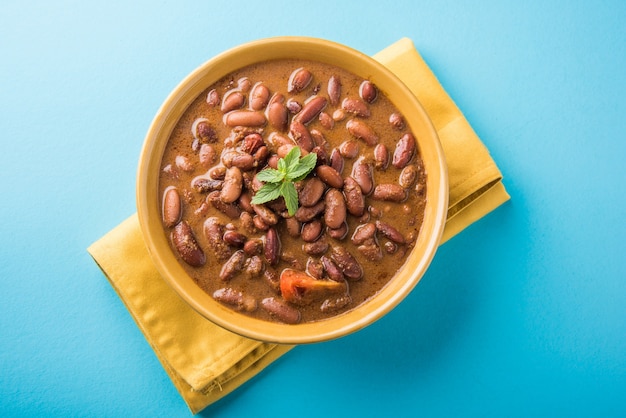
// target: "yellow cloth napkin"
[[206, 362]]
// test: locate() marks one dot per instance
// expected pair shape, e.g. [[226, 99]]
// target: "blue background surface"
[[523, 314]]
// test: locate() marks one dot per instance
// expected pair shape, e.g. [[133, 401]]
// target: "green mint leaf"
[[269, 175], [267, 193], [304, 167], [292, 159], [282, 166], [289, 193], [279, 182]]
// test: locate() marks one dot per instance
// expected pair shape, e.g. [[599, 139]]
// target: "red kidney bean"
[[229, 209], [203, 209], [253, 246], [318, 247], [338, 233], [381, 157], [293, 106], [322, 156], [213, 232], [336, 160], [305, 214], [251, 143], [234, 299], [232, 100], [217, 172], [356, 106], [213, 98], [206, 133], [277, 116], [207, 155], [299, 80], [272, 247], [172, 207], [233, 183], [261, 155], [293, 227], [335, 212], [326, 121], [339, 115], [390, 232], [277, 206], [389, 192], [301, 135], [244, 84], [334, 304], [248, 180], [272, 161], [311, 109], [248, 118], [276, 140], [363, 232], [253, 266], [390, 247], [233, 266], [203, 131], [397, 121], [283, 150], [351, 268], [259, 224], [276, 98], [281, 311], [355, 201], [185, 243], [362, 174], [259, 96], [329, 176], [332, 270], [318, 138], [227, 157], [203, 184], [362, 131], [311, 192], [349, 148], [245, 162], [311, 231], [374, 211], [370, 250], [314, 268], [334, 90], [268, 216], [408, 175], [234, 239], [245, 201], [368, 91], [405, 149]]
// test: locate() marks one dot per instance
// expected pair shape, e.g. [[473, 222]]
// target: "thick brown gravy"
[[357, 219]]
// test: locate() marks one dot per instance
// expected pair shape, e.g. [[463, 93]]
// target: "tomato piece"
[[300, 288]]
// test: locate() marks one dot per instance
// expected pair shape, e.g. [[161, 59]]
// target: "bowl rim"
[[198, 81]]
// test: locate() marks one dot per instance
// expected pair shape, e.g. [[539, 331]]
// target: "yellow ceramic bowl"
[[148, 200]]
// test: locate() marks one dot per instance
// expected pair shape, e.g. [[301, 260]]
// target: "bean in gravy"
[[360, 210]]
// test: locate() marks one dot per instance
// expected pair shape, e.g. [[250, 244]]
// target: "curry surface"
[[405, 216]]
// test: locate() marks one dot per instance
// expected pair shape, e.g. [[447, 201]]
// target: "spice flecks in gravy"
[[360, 209]]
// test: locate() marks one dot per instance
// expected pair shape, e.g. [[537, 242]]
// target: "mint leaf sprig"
[[280, 181]]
